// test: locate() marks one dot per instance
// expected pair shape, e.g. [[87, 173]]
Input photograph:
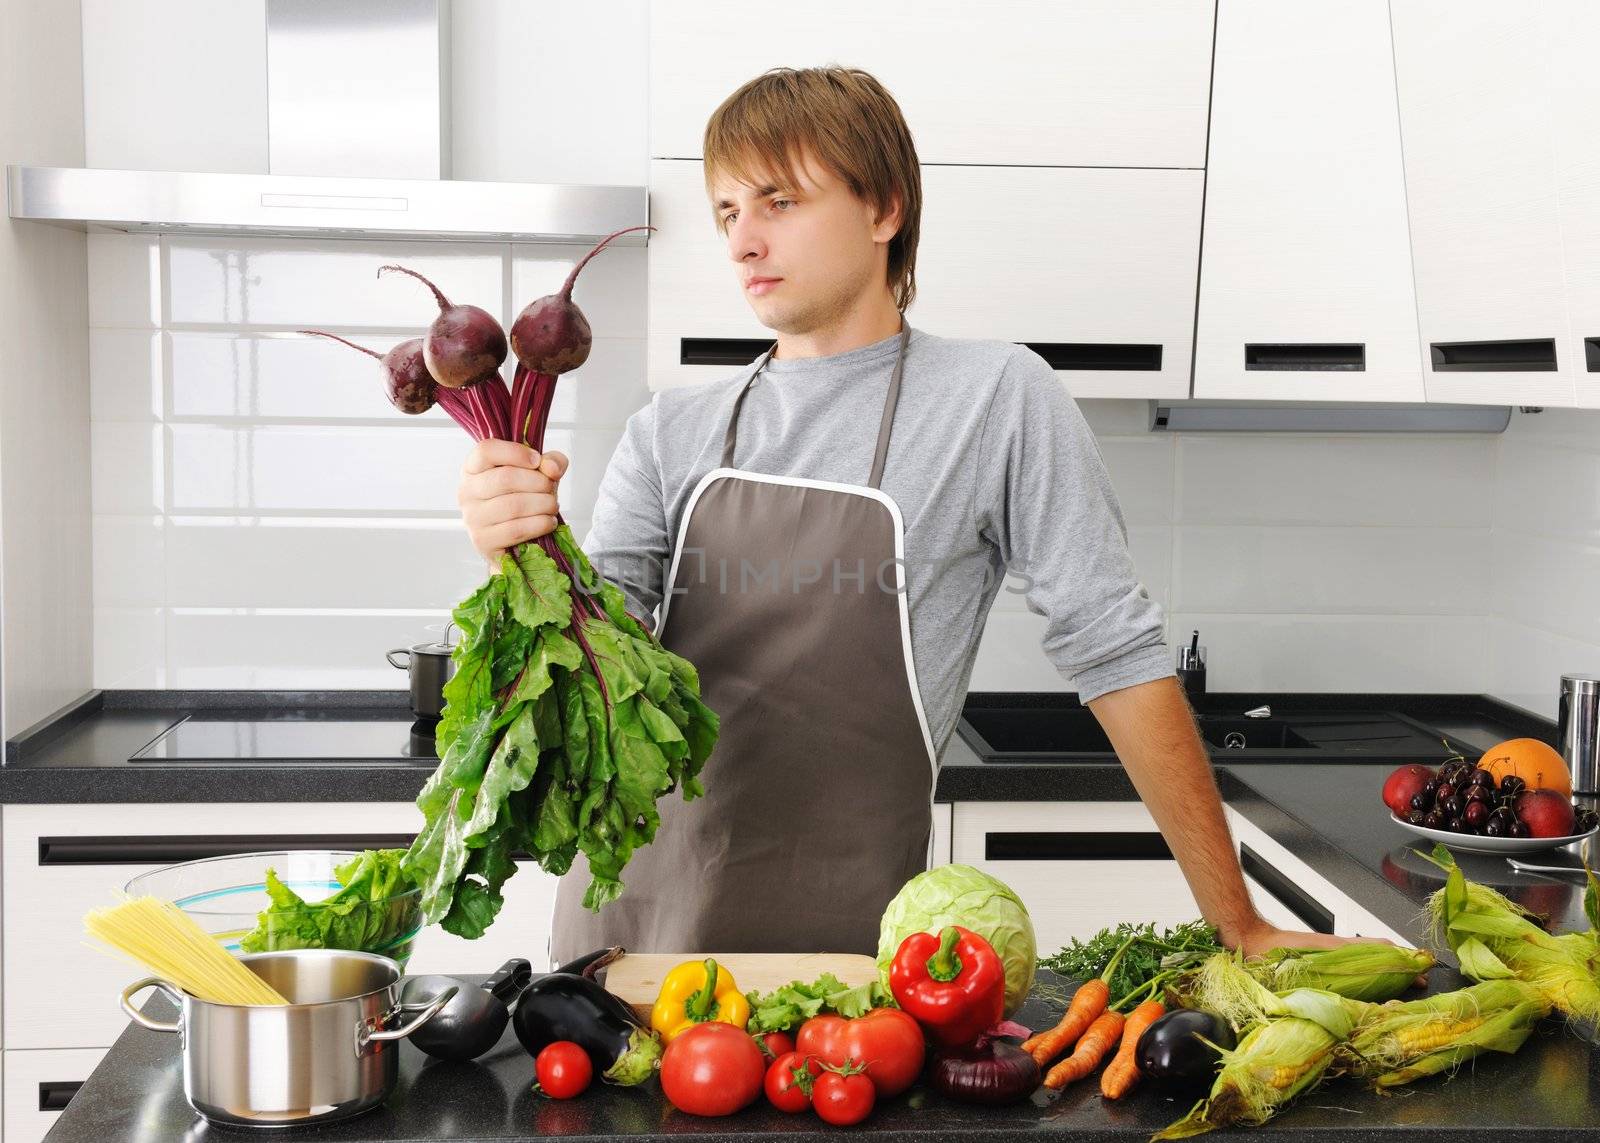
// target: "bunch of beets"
[[566, 718]]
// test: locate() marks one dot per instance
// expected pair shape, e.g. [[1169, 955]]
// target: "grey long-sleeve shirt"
[[990, 460]]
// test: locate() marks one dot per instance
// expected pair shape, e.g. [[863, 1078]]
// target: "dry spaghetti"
[[160, 936]]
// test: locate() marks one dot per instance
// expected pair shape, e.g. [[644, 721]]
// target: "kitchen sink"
[[1024, 728], [1251, 734]]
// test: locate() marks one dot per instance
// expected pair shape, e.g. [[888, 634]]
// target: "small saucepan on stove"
[[429, 667]]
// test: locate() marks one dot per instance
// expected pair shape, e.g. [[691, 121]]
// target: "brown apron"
[[788, 596]]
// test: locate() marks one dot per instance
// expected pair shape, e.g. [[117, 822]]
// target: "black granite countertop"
[[1549, 1091], [1329, 815]]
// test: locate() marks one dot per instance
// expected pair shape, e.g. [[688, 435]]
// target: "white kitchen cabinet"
[[1478, 129], [1574, 30], [1094, 268], [60, 861], [1078, 895], [1305, 281], [37, 1085], [1028, 82]]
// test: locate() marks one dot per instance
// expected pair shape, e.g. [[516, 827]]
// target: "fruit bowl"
[[1503, 846]]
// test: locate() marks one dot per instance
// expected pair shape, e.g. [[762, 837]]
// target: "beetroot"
[[410, 387], [465, 344], [551, 335]]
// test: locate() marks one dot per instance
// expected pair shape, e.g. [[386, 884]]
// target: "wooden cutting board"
[[636, 977]]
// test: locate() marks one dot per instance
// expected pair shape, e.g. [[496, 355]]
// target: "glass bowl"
[[225, 896]]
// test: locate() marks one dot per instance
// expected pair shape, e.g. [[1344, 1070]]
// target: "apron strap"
[[881, 453], [890, 402]]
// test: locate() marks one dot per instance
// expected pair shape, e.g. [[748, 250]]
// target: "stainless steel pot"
[[330, 1053], [428, 666]]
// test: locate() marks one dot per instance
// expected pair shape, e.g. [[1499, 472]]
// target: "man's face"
[[816, 238]]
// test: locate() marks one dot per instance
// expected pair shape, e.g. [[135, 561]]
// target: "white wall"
[[539, 92], [1544, 557], [1337, 562], [44, 437]]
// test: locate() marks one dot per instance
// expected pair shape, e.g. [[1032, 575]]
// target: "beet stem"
[[343, 341], [566, 289], [438, 295]]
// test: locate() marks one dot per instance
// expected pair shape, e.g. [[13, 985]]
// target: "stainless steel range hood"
[[358, 145]]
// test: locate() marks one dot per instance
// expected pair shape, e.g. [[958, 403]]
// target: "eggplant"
[[574, 1006], [1171, 1050]]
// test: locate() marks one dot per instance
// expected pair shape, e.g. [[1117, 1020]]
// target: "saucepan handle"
[[366, 1035], [139, 1017], [404, 664]]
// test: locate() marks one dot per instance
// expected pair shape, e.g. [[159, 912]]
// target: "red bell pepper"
[[954, 984]]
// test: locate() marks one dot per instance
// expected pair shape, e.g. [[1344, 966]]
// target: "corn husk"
[[1273, 1064], [1223, 983], [1398, 1043], [1495, 939], [1370, 971]]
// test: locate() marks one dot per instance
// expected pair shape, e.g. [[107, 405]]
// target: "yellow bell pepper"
[[697, 992]]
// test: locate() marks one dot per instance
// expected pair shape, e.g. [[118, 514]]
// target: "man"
[[786, 507]]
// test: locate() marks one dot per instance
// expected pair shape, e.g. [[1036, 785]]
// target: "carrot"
[[1122, 1073], [1087, 1003], [1097, 1041]]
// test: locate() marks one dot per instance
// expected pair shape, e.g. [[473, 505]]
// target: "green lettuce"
[[370, 912]]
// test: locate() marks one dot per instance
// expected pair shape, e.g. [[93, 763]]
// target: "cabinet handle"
[[1591, 353], [1307, 356], [56, 1094], [1312, 913], [1530, 355], [1096, 846], [721, 350], [159, 850], [1098, 355]]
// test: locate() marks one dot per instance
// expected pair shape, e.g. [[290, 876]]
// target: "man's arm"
[[1153, 731]]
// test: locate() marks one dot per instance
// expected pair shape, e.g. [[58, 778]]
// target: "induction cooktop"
[[318, 741]]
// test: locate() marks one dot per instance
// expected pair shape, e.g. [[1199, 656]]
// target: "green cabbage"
[[962, 895]]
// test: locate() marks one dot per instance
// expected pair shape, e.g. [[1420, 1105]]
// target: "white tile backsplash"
[[263, 516]]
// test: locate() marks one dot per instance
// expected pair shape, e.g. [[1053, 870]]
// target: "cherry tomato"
[[843, 1097], [787, 1082], [563, 1070], [712, 1069], [774, 1044], [887, 1040]]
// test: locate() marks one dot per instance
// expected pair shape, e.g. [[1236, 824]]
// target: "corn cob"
[[1370, 971], [1274, 1063], [1398, 1043], [1494, 938]]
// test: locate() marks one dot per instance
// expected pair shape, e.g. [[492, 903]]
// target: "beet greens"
[[566, 719]]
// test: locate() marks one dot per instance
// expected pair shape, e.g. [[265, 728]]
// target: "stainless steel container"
[[330, 1053], [429, 667], [1578, 731]]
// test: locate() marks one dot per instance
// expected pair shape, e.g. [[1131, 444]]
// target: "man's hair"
[[849, 122]]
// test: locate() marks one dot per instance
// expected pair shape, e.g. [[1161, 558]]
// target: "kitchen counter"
[[1549, 1091], [1328, 815]]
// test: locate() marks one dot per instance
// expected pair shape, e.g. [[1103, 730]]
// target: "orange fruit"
[[1535, 762]]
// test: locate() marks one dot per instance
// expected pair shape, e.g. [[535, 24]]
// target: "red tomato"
[[775, 1044], [887, 1040], [712, 1069], [785, 1090], [843, 1098], [563, 1069]]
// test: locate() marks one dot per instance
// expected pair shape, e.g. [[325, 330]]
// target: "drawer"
[[48, 889], [1096, 269], [37, 1086], [1025, 82]]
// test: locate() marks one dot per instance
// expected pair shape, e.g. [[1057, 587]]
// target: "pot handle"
[[365, 1034], [406, 651], [139, 1017]]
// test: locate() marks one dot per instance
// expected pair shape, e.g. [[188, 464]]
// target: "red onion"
[[994, 1073]]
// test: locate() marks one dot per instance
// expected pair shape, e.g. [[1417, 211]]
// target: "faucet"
[[1192, 666]]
